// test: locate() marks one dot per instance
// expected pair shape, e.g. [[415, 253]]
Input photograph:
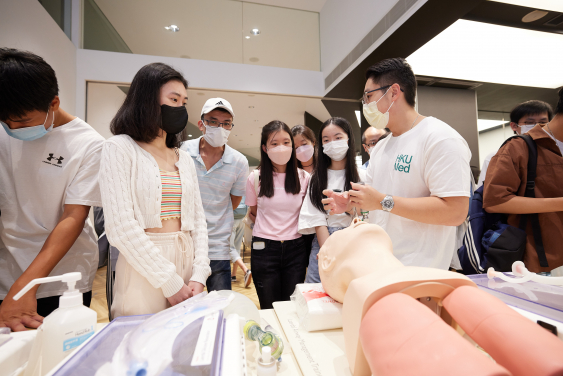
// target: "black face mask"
[[174, 119]]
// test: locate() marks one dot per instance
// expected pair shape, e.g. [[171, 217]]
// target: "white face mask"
[[526, 128], [336, 150], [376, 118], [216, 136], [370, 149]]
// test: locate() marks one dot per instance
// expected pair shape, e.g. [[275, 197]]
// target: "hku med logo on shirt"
[[403, 163]]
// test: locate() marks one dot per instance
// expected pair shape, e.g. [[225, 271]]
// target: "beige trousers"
[[133, 294]]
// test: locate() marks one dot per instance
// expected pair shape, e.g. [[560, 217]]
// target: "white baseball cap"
[[214, 103]]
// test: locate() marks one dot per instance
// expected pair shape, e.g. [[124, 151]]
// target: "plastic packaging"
[[64, 329], [191, 327], [524, 275], [315, 308], [266, 363], [253, 332]]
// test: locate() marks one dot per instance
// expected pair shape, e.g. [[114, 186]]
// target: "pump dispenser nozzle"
[[70, 297]]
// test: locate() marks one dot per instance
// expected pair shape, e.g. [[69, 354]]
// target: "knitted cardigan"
[[131, 196]]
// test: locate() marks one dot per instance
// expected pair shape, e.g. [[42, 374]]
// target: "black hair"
[[385, 134], [217, 109], [139, 116], [395, 71], [309, 135], [319, 178], [292, 184], [530, 108], [27, 83], [559, 107]]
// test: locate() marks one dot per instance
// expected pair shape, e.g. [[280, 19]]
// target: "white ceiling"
[[482, 52], [309, 5], [253, 111], [216, 30]]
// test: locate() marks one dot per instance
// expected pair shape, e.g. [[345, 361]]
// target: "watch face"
[[387, 203]]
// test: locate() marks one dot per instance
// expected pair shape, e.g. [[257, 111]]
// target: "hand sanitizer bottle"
[[66, 327]]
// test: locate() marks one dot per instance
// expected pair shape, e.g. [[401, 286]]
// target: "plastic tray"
[[538, 298]]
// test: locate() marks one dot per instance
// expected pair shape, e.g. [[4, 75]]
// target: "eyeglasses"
[[365, 96], [370, 144], [531, 123], [214, 124]]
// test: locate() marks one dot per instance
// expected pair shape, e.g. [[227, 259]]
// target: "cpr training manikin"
[[407, 320]]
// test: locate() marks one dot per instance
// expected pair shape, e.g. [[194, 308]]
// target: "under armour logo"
[[59, 160], [220, 103]]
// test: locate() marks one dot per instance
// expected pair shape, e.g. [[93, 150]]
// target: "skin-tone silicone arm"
[[400, 336], [515, 342]]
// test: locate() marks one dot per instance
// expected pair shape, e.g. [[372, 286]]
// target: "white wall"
[[492, 140], [119, 67], [26, 25], [103, 102], [344, 24]]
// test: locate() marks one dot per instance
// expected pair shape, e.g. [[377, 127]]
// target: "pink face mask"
[[280, 155], [304, 153]]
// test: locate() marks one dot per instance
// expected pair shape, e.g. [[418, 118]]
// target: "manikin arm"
[[516, 343], [400, 336]]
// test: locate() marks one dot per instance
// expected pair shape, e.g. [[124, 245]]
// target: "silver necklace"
[[412, 125]]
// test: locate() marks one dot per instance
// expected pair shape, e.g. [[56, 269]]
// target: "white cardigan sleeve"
[[201, 269], [122, 229]]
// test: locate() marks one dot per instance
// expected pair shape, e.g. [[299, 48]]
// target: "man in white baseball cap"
[[221, 173]]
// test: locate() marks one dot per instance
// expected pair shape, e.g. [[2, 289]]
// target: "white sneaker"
[[247, 278]]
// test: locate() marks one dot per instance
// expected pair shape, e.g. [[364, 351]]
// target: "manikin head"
[[354, 252]]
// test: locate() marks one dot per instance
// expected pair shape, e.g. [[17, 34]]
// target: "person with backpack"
[[523, 117], [505, 190], [336, 168], [278, 252]]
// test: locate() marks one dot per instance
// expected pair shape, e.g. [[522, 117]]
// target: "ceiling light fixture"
[[172, 28], [189, 135], [254, 31], [483, 124], [534, 16], [247, 37], [358, 116]]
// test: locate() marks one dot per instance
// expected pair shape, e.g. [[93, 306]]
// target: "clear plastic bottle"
[[65, 328], [253, 332]]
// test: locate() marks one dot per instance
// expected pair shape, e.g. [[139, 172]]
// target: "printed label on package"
[[203, 354], [78, 339]]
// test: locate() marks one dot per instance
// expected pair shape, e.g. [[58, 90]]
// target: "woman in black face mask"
[[150, 195]]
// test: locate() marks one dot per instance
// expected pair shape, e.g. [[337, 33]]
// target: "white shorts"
[[133, 294]]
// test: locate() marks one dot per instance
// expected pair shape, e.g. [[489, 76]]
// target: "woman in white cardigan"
[[150, 195]]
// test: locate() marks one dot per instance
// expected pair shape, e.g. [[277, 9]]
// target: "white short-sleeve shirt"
[[311, 217], [432, 159], [37, 179]]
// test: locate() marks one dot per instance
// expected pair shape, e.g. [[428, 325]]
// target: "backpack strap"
[[530, 192]]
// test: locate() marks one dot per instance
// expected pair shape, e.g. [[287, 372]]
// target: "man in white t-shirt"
[[523, 117], [49, 162], [418, 181]]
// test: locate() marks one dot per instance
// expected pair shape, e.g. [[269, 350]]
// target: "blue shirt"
[[227, 177], [365, 165]]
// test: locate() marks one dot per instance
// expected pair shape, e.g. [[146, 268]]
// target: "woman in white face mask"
[[278, 255], [336, 168]]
